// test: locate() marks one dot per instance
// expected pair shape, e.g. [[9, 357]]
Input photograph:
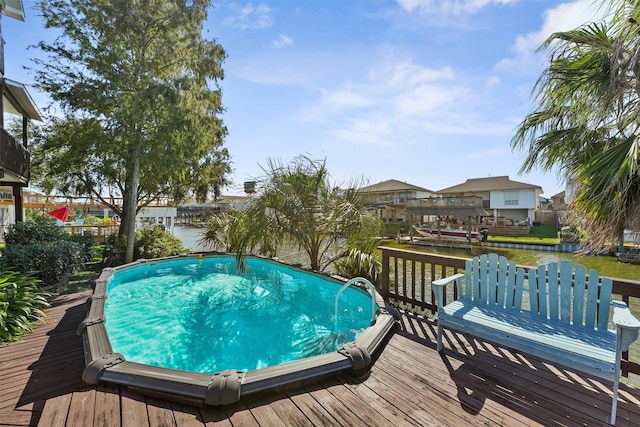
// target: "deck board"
[[471, 383], [133, 409]]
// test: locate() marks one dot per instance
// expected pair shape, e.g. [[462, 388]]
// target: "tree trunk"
[[130, 201]]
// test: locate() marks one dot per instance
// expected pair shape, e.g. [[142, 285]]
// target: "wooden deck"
[[409, 384]]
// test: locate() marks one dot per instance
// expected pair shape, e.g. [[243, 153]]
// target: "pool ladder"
[[370, 289]]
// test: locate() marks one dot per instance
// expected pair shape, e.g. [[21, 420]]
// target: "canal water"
[[190, 237], [605, 265]]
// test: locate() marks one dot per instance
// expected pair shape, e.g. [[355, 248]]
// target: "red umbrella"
[[62, 214]]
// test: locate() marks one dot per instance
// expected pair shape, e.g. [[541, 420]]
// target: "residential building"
[[502, 197], [558, 201], [15, 160], [387, 198]]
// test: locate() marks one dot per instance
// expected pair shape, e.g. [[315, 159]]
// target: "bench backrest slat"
[[485, 265], [566, 289], [592, 303], [604, 302], [533, 291], [536, 305], [549, 282], [560, 292], [579, 299], [519, 278], [500, 273], [505, 285], [473, 279]]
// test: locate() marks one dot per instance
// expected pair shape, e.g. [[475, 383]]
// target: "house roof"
[[25, 106], [488, 184], [560, 194], [13, 9], [392, 185]]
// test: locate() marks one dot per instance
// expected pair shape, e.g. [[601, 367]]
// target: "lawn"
[[84, 279], [537, 234]]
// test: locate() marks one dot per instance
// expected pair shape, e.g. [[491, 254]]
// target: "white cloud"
[[251, 17], [401, 101], [563, 17], [283, 41], [449, 7]]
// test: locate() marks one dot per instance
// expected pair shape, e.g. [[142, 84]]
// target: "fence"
[[407, 276]]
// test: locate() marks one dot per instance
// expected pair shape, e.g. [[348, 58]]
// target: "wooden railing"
[[444, 202], [99, 232], [406, 282], [44, 201]]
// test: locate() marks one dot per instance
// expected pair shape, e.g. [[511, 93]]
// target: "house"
[[192, 212], [387, 198], [502, 197], [558, 201], [15, 160]]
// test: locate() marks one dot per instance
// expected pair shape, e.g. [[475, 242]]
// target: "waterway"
[[190, 237], [605, 265]]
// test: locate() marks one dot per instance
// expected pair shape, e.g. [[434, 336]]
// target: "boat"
[[630, 256], [448, 234]]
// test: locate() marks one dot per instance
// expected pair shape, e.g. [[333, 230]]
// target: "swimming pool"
[[190, 328]]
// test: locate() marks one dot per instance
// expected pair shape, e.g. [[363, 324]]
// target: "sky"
[[428, 92]]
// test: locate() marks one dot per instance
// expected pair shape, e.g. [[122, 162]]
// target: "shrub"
[[45, 249], [113, 250], [151, 242], [22, 303], [154, 242], [358, 263], [41, 229]]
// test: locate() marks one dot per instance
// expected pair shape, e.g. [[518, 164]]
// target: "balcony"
[[458, 206], [15, 160]]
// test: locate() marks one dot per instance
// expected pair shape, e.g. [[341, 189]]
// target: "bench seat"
[[553, 312], [594, 351]]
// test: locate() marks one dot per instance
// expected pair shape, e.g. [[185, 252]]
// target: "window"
[[511, 198]]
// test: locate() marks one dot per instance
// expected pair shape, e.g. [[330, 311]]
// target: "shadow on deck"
[[471, 383]]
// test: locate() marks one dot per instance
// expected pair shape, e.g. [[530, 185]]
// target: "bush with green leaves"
[[151, 242], [41, 228], [45, 249], [358, 263], [22, 303]]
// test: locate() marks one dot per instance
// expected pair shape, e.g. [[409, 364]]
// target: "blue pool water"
[[200, 316]]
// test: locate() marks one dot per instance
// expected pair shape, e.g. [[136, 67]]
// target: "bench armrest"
[[627, 326], [437, 287]]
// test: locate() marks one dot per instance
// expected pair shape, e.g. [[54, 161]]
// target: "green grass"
[[544, 231], [538, 234], [84, 279], [391, 229]]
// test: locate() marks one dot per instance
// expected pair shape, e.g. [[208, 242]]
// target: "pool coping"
[[225, 387]]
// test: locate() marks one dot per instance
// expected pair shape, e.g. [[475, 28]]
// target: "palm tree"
[[585, 123], [297, 205]]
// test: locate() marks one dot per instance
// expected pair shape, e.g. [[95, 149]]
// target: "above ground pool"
[[198, 328]]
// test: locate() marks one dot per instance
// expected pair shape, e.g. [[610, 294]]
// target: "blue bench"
[[554, 312]]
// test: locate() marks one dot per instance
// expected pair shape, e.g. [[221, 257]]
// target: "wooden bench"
[[553, 312]]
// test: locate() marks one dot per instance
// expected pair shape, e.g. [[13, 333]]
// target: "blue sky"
[[423, 91]]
